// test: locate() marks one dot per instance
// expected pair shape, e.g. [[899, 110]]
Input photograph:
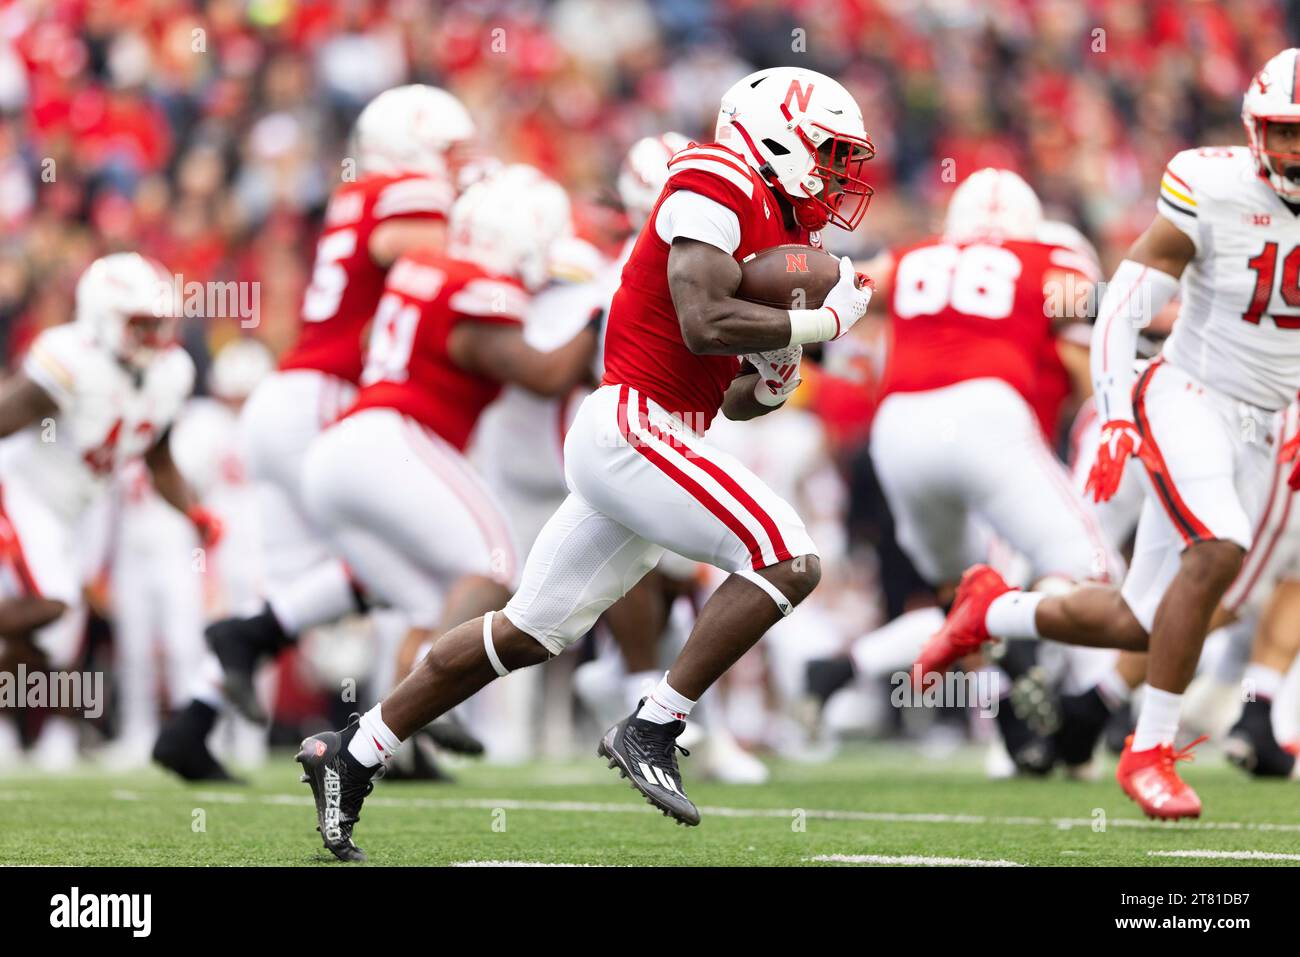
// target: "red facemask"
[[845, 194]]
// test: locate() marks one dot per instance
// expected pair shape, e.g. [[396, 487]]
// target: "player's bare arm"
[[499, 351], [176, 491], [702, 279], [23, 403], [739, 403], [393, 238]]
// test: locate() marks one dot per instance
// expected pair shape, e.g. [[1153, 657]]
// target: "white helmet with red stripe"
[[128, 306], [411, 129], [992, 204], [508, 222], [803, 133], [1274, 97], [644, 172]]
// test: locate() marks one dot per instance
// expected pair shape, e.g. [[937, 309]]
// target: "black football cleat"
[[646, 754], [450, 734], [339, 784], [241, 644], [1083, 720], [825, 676], [1251, 745], [182, 745], [1031, 752]]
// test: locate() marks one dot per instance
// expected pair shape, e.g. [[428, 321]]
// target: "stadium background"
[[209, 134]]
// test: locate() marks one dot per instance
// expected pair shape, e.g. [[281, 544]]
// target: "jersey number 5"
[[1265, 266], [976, 281], [328, 277]]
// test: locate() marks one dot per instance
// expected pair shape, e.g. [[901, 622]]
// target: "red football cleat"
[[1149, 778], [963, 630]]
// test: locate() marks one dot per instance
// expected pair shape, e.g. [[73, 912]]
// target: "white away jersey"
[[107, 416], [1238, 329]]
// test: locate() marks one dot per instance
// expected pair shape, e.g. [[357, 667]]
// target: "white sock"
[[665, 705], [1158, 722], [638, 685], [1114, 690], [1012, 615], [1261, 681], [318, 597], [373, 743]]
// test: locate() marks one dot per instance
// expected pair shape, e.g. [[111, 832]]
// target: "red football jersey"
[[426, 295], [643, 340], [345, 282], [961, 311]]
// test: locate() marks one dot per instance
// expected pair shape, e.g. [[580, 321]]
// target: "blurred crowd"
[[210, 133]]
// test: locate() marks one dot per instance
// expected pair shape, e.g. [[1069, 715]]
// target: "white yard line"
[[879, 817], [910, 860], [1228, 855], [516, 864]]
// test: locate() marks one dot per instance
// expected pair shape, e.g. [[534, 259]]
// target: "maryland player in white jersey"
[[1200, 418], [92, 396]]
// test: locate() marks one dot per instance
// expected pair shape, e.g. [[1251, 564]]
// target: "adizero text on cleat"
[[646, 754], [339, 785]]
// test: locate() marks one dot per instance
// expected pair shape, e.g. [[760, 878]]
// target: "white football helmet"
[[1271, 98], [803, 133], [128, 306], [237, 369], [992, 204], [644, 172], [573, 260], [508, 222], [410, 129]]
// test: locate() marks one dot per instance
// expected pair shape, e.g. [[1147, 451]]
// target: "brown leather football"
[[788, 277]]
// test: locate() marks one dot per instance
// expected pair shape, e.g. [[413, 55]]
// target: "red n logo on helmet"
[[796, 262], [798, 94]]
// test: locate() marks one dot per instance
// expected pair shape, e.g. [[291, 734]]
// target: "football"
[[788, 277]]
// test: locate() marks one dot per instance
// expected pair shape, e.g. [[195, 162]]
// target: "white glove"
[[778, 374], [845, 304]]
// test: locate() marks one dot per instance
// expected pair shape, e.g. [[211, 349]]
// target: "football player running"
[[788, 162], [92, 396], [1199, 418]]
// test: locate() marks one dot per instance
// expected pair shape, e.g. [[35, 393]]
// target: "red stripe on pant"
[[696, 491], [1191, 528], [12, 549], [730, 485]]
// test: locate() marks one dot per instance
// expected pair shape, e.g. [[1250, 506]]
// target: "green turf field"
[[877, 803]]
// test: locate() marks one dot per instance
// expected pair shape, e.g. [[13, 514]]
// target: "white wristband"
[[812, 325]]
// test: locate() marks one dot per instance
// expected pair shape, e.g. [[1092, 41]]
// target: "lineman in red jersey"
[[641, 477], [401, 147], [400, 201], [448, 335], [956, 434]]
